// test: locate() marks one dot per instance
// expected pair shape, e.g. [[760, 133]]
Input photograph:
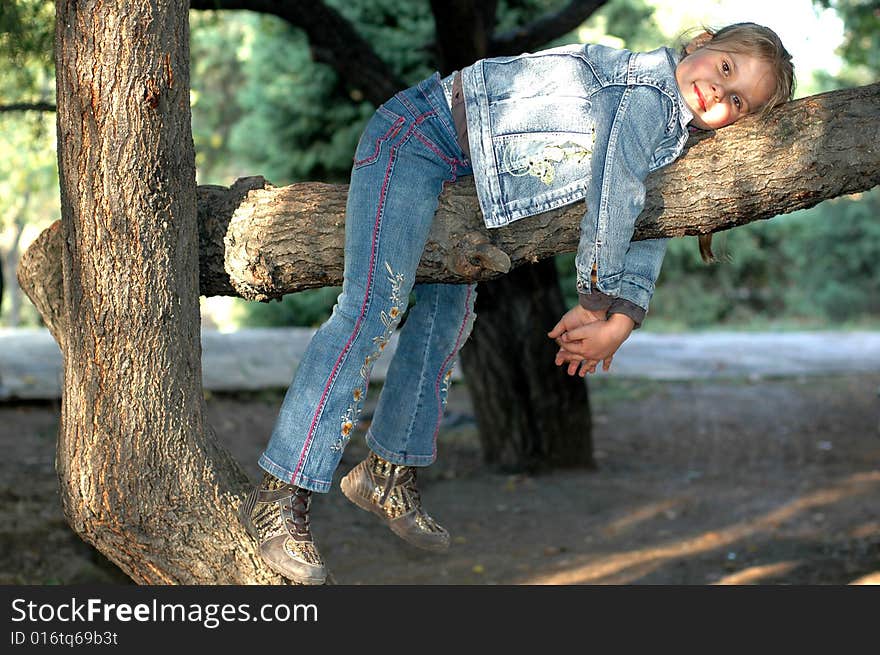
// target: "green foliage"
[[27, 73], [811, 267], [632, 21], [307, 308], [861, 45], [512, 14], [835, 251], [219, 45], [399, 32], [298, 123], [27, 30]]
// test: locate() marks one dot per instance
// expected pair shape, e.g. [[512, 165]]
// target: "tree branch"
[[551, 26], [333, 41], [262, 242], [28, 106]]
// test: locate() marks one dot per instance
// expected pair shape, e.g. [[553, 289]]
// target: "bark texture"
[[141, 476], [548, 423]]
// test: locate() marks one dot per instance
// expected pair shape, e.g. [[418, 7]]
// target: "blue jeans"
[[406, 154]]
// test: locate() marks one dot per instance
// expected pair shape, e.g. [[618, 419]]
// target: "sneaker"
[[389, 491], [276, 514]]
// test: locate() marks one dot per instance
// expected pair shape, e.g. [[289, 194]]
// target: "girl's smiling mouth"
[[700, 97]]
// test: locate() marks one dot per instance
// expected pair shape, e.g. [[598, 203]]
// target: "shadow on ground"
[[723, 481]]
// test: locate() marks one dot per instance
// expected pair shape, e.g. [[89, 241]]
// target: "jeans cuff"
[[300, 480], [397, 458]]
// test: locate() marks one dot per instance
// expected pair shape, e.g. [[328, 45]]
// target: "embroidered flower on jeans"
[[390, 319], [444, 387]]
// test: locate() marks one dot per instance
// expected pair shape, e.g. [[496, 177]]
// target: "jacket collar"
[[684, 112], [657, 68]]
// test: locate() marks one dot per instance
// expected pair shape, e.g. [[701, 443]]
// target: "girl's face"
[[721, 87]]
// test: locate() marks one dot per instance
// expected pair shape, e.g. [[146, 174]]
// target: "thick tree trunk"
[[141, 476], [532, 416]]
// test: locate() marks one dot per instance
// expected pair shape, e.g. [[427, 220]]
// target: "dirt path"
[[771, 481]]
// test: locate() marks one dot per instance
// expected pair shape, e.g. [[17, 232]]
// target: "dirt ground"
[[721, 482]]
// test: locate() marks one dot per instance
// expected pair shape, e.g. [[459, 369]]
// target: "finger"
[[568, 356], [560, 358], [557, 330], [577, 349], [606, 364], [565, 358], [573, 368], [568, 346], [580, 333]]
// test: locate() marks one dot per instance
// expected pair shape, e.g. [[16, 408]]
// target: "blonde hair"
[[764, 44]]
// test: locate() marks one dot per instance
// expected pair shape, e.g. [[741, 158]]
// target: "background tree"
[[28, 179]]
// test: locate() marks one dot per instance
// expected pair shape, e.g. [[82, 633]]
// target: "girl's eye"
[[738, 103], [725, 67]]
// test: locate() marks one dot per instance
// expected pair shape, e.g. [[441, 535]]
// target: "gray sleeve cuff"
[[595, 301]]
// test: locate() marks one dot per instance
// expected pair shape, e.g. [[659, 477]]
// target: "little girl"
[[537, 131]]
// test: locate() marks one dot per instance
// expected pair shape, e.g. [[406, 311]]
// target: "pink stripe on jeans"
[[357, 325]]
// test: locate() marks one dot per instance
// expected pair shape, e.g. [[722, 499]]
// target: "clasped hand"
[[586, 338]]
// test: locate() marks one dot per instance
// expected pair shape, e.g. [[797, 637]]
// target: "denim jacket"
[[579, 122]]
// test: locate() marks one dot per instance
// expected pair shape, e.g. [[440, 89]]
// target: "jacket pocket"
[[545, 156]]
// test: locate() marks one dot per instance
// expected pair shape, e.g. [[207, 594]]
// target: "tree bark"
[[541, 419], [142, 477], [463, 29]]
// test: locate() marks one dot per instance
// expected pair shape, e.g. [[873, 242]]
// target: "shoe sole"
[[251, 529], [367, 506]]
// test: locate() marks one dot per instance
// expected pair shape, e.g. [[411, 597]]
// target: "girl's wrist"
[[622, 322]]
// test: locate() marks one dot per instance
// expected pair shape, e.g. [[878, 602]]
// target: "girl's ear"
[[697, 42]]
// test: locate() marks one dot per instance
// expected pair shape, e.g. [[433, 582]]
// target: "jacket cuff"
[[623, 306], [595, 301]]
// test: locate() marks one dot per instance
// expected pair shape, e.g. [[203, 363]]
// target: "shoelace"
[[300, 502], [409, 483]]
